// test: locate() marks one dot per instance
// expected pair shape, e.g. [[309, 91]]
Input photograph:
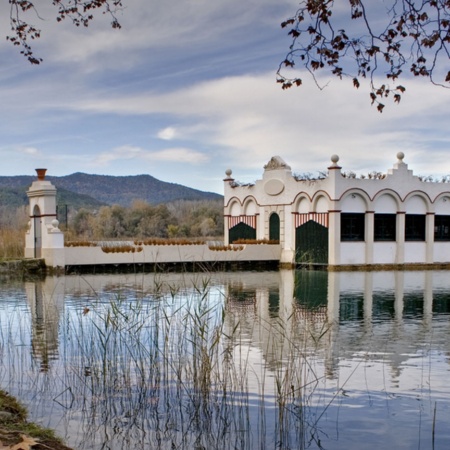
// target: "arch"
[[37, 227], [235, 208], [417, 203], [250, 207], [274, 227], [355, 201], [442, 204], [416, 206], [241, 231], [319, 200], [311, 243], [386, 205], [321, 204], [386, 202], [302, 204]]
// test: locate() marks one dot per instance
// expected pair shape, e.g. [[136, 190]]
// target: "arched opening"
[[274, 227], [311, 243], [241, 231], [37, 226]]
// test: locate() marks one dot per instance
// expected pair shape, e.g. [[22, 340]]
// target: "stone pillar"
[[228, 183], [288, 238], [334, 237], [334, 213], [43, 238], [400, 254], [369, 235], [429, 238]]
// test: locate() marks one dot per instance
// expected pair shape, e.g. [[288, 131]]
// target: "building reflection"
[[277, 312], [370, 313], [46, 300]]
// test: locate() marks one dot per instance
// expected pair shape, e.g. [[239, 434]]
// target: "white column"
[[334, 237], [400, 254], [369, 235], [429, 237]]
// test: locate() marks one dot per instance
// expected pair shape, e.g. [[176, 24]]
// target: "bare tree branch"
[[80, 12], [415, 37]]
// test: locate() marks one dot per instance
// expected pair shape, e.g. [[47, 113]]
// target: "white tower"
[[44, 239]]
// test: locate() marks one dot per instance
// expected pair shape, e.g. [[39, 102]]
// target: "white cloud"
[[128, 152], [152, 29], [210, 69], [30, 151], [251, 119], [120, 153], [167, 134], [179, 155]]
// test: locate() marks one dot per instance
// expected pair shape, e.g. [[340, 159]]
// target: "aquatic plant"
[[173, 366]]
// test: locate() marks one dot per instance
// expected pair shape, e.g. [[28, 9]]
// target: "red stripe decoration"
[[248, 220], [320, 218]]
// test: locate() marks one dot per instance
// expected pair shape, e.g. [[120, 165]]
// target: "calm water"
[[253, 360]]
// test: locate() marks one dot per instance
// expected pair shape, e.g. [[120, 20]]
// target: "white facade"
[[393, 219], [43, 238]]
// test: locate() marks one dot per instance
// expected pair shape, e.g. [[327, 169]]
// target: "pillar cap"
[[41, 174]]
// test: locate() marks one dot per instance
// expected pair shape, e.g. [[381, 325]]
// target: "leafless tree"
[[79, 12], [409, 35]]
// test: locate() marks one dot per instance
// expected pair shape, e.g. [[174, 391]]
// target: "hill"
[[92, 191]]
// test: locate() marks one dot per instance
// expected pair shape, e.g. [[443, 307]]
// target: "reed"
[[173, 367], [12, 243]]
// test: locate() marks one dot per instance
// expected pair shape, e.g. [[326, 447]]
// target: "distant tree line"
[[13, 217], [142, 220]]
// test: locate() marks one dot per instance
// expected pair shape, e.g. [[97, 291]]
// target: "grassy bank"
[[17, 433]]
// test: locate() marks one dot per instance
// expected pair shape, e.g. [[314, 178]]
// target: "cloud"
[[129, 152], [210, 69], [30, 151], [179, 155], [167, 134], [154, 31], [247, 119], [125, 152]]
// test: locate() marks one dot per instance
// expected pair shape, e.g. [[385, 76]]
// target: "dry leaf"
[[26, 444]]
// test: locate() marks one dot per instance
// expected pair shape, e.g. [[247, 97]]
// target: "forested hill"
[[113, 190]]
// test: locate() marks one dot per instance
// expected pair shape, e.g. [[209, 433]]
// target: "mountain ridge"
[[106, 189]]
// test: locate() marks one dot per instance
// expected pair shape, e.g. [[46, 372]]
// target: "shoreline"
[[15, 428], [23, 266]]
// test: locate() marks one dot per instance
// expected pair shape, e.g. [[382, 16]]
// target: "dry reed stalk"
[[12, 243]]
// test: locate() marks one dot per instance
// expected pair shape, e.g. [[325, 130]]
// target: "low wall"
[[171, 254]]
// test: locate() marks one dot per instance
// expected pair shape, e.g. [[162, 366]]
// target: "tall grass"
[[178, 367], [12, 243]]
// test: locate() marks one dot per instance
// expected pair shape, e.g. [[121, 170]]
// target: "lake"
[[238, 360]]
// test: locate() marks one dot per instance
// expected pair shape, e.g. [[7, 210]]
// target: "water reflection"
[[46, 300], [233, 360]]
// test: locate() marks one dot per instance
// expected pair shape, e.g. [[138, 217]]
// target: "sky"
[[186, 90]]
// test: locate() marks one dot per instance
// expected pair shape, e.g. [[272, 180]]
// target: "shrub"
[[256, 241]]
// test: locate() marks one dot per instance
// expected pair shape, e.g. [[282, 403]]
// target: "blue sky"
[[187, 89]]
